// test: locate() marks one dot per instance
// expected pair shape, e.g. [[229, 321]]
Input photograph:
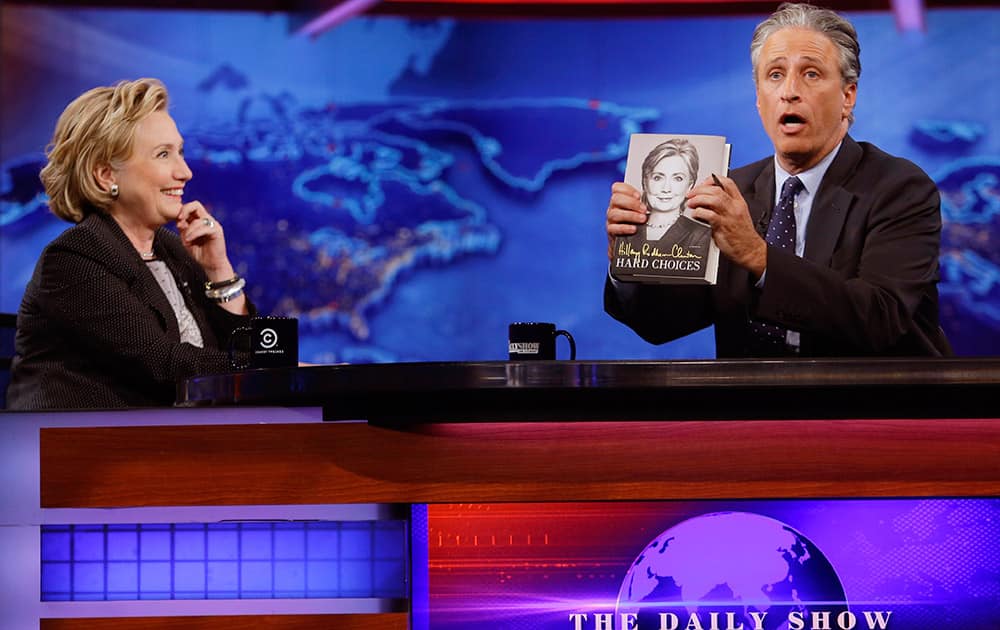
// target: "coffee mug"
[[268, 342], [529, 341]]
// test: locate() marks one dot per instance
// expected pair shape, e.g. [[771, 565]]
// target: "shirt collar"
[[810, 178]]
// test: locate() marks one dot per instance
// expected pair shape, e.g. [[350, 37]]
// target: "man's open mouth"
[[791, 120]]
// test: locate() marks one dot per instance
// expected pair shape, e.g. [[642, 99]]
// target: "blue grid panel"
[[258, 560], [56, 544], [123, 581]]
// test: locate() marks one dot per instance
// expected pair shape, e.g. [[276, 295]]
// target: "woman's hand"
[[205, 240], [625, 212]]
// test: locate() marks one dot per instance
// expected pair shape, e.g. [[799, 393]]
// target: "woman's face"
[[666, 185], [151, 182]]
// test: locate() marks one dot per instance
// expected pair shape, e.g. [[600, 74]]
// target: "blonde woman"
[[119, 308]]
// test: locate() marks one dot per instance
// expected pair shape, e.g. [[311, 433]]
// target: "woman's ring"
[[210, 223]]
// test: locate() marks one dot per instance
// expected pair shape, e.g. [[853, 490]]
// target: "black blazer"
[[866, 285], [95, 330]]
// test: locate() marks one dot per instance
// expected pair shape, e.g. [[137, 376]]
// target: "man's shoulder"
[[872, 155], [855, 160], [871, 168]]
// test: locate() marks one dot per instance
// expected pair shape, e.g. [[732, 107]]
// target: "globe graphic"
[[732, 564]]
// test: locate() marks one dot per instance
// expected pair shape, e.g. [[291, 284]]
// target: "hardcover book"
[[671, 247]]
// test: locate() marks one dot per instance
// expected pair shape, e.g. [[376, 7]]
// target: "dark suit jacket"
[[95, 329], [867, 284]]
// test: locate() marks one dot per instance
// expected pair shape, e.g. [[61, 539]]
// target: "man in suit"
[[857, 274]]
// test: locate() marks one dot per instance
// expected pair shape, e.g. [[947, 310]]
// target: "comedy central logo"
[[268, 338], [523, 347]]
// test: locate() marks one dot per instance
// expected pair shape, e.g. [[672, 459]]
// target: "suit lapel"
[[761, 201], [829, 209], [135, 272]]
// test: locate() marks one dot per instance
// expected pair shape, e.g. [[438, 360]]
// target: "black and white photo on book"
[[671, 247]]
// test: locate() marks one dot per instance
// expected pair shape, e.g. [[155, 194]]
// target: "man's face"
[[802, 101]]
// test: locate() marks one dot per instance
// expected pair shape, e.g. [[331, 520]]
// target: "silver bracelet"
[[222, 283], [226, 293]]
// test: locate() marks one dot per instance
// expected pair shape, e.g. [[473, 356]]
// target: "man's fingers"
[[706, 215], [625, 189], [622, 215], [622, 229]]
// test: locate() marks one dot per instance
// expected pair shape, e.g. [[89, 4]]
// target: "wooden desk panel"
[[444, 463]]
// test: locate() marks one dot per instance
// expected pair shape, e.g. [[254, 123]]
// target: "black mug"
[[268, 342], [530, 341]]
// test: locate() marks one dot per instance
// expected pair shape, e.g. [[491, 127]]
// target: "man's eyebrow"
[[808, 59], [811, 59]]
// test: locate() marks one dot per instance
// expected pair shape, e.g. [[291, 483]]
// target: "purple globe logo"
[[733, 569]]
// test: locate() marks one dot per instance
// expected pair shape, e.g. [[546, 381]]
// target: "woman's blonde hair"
[[96, 129]]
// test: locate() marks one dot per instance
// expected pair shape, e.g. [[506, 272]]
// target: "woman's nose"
[[183, 172]]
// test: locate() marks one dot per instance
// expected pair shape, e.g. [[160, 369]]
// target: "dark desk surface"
[[618, 390]]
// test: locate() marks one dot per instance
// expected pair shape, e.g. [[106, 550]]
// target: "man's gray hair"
[[838, 29]]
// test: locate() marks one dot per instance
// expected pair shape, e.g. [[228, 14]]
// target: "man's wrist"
[[757, 263]]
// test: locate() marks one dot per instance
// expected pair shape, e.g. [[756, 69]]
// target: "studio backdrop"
[[407, 188]]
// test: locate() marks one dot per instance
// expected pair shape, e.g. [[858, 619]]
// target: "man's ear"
[[850, 99], [104, 175]]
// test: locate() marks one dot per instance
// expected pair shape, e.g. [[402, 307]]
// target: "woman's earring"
[[114, 191]]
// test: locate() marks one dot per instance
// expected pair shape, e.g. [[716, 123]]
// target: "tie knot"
[[791, 187]]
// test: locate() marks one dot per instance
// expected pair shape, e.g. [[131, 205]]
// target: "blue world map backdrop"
[[409, 187]]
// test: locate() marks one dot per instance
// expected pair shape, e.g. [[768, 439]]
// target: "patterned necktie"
[[768, 339]]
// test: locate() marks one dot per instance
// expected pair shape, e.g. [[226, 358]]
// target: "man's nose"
[[789, 89]]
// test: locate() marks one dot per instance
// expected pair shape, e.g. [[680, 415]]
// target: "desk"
[[507, 437], [425, 433], [407, 393], [529, 432]]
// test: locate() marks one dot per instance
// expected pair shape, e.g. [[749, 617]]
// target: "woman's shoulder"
[[93, 231], [89, 246]]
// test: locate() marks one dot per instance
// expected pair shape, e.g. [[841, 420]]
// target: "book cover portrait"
[[671, 247]]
